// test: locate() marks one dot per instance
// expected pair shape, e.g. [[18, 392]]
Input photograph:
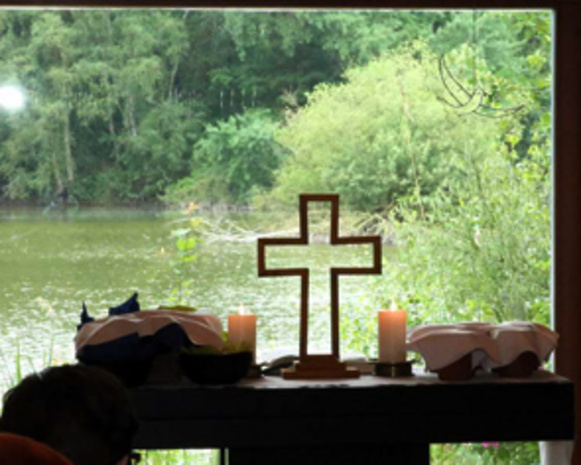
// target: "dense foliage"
[[117, 102], [234, 159], [381, 137]]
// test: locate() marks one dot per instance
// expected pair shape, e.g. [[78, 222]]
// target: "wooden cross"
[[319, 366]]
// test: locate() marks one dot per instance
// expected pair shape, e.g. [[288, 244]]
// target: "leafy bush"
[[484, 252], [187, 242], [380, 137], [234, 158], [486, 453]]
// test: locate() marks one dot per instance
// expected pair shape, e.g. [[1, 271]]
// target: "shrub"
[[380, 137]]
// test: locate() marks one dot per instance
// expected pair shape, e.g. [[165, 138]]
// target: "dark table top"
[[271, 412]]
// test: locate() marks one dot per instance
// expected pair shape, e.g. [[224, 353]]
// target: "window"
[[567, 145]]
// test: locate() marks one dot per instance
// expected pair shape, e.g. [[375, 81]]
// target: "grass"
[[180, 457]]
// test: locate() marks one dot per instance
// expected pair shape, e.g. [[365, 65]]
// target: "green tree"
[[233, 160], [42, 49], [103, 102], [484, 253], [107, 89], [381, 137], [507, 56], [282, 55]]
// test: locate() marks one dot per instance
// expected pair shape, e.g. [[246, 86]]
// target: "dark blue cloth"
[[85, 317], [132, 347], [129, 306]]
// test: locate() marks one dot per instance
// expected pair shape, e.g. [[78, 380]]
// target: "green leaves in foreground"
[[228, 348], [381, 137]]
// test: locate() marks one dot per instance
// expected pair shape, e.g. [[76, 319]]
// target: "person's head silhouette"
[[82, 412]]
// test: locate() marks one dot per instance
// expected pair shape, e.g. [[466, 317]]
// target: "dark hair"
[[83, 412]]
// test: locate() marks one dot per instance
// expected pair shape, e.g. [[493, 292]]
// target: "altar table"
[[361, 421]]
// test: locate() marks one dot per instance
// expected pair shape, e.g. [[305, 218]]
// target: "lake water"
[[50, 264]]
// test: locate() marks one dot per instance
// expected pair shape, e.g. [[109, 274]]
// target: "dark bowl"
[[215, 368], [460, 370], [522, 367], [131, 373]]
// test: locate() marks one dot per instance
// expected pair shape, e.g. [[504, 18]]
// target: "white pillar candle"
[[392, 335], [242, 330]]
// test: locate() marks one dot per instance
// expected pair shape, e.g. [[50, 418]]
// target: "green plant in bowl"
[[209, 365], [228, 348]]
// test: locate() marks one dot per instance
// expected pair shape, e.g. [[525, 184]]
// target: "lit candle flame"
[[242, 310], [393, 306]]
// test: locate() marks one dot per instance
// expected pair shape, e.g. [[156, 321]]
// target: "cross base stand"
[[320, 367], [393, 370]]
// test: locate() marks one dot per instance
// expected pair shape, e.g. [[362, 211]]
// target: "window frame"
[[566, 268]]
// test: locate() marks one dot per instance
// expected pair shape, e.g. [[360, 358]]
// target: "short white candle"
[[242, 330], [392, 335]]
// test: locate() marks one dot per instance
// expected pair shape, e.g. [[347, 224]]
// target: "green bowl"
[[215, 368]]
